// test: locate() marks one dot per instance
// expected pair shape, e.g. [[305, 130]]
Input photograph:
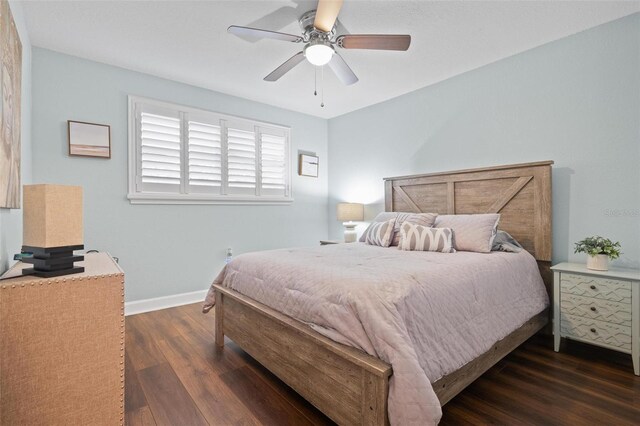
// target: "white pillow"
[[471, 232]]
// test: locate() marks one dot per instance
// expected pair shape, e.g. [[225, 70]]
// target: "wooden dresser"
[[598, 307], [62, 346]]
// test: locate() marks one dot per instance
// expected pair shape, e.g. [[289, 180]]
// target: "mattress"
[[427, 314]]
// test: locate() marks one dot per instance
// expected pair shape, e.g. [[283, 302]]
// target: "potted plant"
[[600, 250]]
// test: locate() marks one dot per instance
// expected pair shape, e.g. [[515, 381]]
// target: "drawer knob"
[[593, 330], [593, 287], [593, 308]]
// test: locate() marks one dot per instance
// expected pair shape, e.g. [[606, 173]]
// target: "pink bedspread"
[[427, 314]]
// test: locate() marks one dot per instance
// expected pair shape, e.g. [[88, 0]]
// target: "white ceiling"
[[187, 41]]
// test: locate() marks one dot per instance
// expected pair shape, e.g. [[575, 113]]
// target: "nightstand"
[[327, 242], [597, 307]]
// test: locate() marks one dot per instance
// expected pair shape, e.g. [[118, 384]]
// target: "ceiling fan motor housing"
[[319, 44]]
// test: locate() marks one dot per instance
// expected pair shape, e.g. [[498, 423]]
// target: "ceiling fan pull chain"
[[315, 81], [322, 87]]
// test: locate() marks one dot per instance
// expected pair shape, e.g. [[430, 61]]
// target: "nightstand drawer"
[[601, 288], [598, 309], [598, 332]]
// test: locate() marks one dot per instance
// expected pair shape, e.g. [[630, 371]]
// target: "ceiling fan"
[[320, 40]]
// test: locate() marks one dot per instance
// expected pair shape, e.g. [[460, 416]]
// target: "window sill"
[[206, 199]]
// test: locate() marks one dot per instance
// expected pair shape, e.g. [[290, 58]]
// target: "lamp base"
[[52, 261], [350, 234], [51, 274]]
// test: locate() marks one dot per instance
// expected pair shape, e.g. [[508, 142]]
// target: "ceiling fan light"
[[318, 54]]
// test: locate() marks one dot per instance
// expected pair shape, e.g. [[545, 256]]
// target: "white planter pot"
[[599, 262]]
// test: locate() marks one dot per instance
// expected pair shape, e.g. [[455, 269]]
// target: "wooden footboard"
[[347, 385]]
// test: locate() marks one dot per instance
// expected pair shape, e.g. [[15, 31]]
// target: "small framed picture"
[[89, 139], [308, 165]]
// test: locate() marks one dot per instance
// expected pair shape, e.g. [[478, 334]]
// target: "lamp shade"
[[350, 211], [52, 216]]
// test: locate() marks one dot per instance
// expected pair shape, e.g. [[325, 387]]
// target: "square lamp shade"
[[347, 213], [52, 229]]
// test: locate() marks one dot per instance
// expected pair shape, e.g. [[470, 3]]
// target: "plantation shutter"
[[187, 155], [159, 150], [205, 165], [241, 159], [273, 162]]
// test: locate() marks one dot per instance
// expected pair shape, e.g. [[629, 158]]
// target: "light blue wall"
[[11, 219], [164, 249], [575, 101]]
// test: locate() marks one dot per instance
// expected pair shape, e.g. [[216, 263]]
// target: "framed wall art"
[[10, 102], [89, 139], [308, 165]]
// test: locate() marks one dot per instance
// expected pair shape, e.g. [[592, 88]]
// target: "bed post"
[[219, 318], [388, 196], [374, 399]]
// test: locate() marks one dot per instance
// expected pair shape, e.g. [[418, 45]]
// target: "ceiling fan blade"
[[342, 70], [326, 14], [258, 33], [277, 19], [285, 67], [374, 41]]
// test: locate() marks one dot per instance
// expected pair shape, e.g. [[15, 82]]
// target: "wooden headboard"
[[521, 193]]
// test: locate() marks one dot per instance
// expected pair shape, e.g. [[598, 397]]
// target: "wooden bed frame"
[[350, 386]]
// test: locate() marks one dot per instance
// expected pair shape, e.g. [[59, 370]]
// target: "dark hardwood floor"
[[175, 376]]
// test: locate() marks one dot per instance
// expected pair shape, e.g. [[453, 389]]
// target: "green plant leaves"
[[598, 245]]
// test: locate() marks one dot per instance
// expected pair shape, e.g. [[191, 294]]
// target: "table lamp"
[[52, 229], [347, 213]]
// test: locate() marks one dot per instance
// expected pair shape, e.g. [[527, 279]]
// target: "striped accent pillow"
[[380, 233], [425, 219], [380, 217], [421, 238]]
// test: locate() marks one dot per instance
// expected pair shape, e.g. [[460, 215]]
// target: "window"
[[184, 155]]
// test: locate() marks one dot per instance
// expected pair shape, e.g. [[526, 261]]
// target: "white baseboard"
[[157, 303]]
